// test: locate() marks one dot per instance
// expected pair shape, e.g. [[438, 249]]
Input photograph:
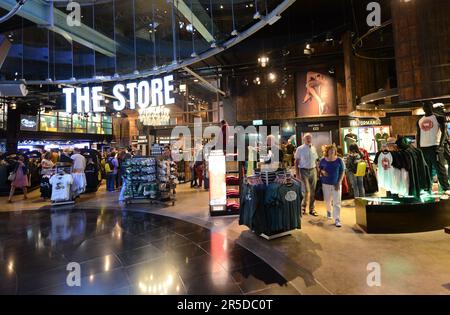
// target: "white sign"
[[156, 92]]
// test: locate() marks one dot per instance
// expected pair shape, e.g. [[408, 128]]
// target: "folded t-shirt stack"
[[232, 180], [232, 193], [232, 205]]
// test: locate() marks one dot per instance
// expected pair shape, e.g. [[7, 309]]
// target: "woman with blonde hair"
[[332, 170]]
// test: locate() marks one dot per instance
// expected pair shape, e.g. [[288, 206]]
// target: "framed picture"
[[316, 94]]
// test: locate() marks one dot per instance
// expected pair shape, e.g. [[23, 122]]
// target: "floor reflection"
[[124, 252]]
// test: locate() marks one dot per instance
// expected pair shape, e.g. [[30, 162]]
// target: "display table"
[[384, 216]]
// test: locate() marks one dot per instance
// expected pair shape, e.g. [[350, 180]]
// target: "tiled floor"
[[318, 259], [124, 252]]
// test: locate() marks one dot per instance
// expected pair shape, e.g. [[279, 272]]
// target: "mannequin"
[[431, 139]]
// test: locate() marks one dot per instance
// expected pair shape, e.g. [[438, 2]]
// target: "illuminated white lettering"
[[68, 92], [143, 91], [117, 91]]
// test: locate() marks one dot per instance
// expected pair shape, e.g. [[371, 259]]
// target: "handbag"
[[12, 176], [361, 169], [370, 183], [318, 194]]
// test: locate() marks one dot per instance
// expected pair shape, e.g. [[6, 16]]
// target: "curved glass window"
[[103, 38]]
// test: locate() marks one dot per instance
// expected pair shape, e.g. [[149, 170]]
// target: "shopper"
[[289, 154], [332, 170], [65, 156], [198, 166], [223, 138], [357, 182], [306, 158], [20, 178], [79, 161], [46, 164], [111, 167]]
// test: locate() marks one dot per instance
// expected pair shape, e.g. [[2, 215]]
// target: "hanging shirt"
[[61, 187], [367, 141], [350, 139], [307, 155], [430, 131], [385, 171]]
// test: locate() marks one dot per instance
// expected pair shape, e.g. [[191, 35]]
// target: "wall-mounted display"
[[316, 95]]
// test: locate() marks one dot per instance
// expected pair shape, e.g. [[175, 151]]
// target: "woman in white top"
[[46, 164]]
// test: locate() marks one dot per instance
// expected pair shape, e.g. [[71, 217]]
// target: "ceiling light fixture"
[[308, 49], [263, 61], [272, 77]]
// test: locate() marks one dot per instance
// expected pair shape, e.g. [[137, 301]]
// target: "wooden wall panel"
[[422, 37], [404, 125]]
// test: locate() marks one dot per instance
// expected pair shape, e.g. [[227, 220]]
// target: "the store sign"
[[138, 95], [28, 123]]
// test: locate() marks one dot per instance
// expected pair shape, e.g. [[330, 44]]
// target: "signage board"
[[258, 123], [28, 123], [217, 183], [134, 95]]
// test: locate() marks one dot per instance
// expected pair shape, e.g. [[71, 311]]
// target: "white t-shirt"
[[386, 172], [430, 131], [61, 187], [307, 156], [79, 162]]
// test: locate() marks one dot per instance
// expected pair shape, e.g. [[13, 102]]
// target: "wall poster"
[[316, 94]]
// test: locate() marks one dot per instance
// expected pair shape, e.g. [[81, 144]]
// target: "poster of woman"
[[316, 95]]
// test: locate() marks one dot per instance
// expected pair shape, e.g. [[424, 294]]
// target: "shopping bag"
[[361, 169]]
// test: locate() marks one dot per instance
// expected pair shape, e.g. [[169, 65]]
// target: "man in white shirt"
[[306, 170], [79, 161]]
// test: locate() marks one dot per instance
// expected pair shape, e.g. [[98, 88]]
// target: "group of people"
[[331, 170], [19, 173]]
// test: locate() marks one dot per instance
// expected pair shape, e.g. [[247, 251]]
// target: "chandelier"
[[154, 116]]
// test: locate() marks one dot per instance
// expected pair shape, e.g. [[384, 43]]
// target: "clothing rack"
[[63, 168], [260, 221]]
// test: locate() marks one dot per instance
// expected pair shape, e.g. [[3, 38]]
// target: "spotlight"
[[221, 6], [329, 38], [257, 16], [308, 49], [189, 28], [272, 77], [257, 81], [263, 61], [106, 101], [13, 106], [234, 33], [194, 54]]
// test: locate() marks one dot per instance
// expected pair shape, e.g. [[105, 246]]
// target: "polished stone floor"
[[125, 252], [318, 259]]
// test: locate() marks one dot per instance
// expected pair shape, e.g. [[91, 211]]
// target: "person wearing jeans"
[[357, 182], [332, 170], [305, 166]]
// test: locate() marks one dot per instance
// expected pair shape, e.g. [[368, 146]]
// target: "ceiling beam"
[[184, 9], [205, 82], [44, 14]]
